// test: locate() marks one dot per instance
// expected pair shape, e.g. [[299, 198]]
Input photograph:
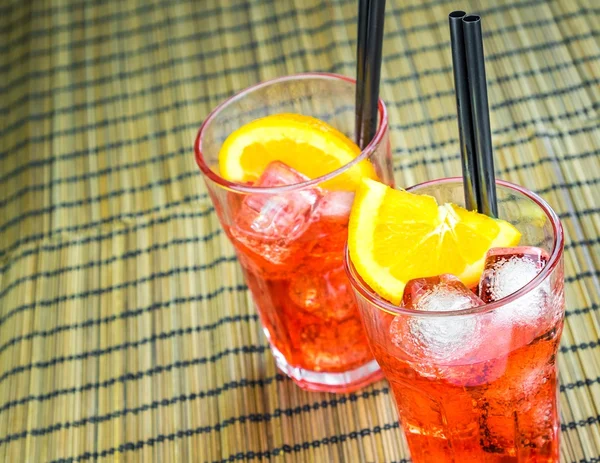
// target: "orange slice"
[[304, 143], [395, 236]]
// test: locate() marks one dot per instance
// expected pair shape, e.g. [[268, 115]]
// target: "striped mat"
[[126, 330]]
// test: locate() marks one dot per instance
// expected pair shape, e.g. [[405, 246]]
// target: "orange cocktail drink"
[[468, 334], [281, 170]]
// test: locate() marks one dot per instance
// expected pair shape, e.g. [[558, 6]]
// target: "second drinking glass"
[[290, 239], [479, 384]]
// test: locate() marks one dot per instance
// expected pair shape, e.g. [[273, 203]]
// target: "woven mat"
[[126, 331]]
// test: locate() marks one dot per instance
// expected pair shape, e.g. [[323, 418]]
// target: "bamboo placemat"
[[126, 331]]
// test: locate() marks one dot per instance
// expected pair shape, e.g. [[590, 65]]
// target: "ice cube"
[[509, 269], [431, 342], [519, 406], [285, 213], [335, 206], [506, 271], [269, 224], [307, 290], [326, 295], [442, 293]]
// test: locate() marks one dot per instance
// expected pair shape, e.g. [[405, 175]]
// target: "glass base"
[[348, 381]]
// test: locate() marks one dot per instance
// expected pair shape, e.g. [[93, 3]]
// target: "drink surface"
[[287, 185], [476, 387], [290, 245], [490, 409]]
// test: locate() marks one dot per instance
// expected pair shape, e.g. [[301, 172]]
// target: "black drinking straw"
[[371, 15], [361, 45], [486, 182], [463, 109]]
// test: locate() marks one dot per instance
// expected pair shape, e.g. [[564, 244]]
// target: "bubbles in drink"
[[518, 410], [327, 346]]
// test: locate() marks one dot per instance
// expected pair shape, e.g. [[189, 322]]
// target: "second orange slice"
[[395, 236]]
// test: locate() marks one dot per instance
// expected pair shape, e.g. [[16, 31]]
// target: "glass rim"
[[555, 255], [242, 188]]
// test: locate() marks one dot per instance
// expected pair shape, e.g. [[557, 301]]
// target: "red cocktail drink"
[[473, 371], [289, 230]]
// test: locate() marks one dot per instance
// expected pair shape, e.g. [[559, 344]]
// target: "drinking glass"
[[478, 385], [290, 239]]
